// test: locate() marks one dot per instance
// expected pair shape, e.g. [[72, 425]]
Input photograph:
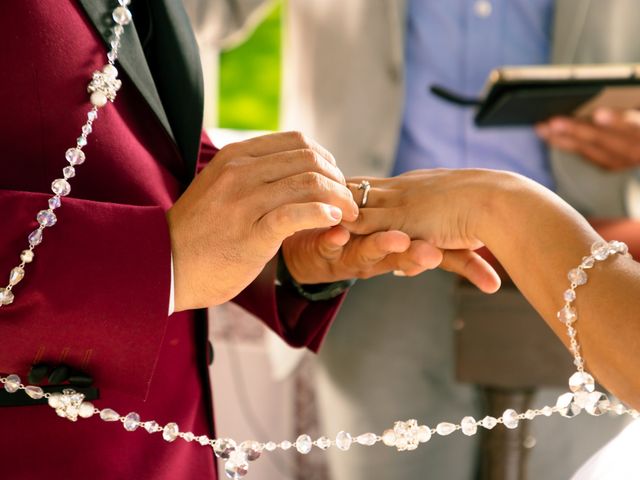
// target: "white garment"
[[617, 460]]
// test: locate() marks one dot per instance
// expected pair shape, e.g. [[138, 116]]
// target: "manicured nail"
[[335, 213], [399, 273]]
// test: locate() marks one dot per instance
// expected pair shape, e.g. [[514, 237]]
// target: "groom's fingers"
[[371, 220], [473, 267]]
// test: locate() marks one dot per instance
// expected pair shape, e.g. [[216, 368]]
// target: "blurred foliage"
[[249, 95]]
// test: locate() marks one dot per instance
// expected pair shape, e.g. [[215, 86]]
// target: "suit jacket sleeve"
[[96, 294]]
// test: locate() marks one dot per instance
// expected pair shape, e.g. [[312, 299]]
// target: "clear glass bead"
[[203, 440], [530, 414], [236, 466], [600, 250], [109, 415], [91, 116], [87, 129], [304, 444], [170, 432], [597, 403], [251, 449], [577, 276], [510, 418], [619, 409], [124, 3], [588, 262], [581, 382], [367, 439], [54, 202], [34, 392], [81, 141], [16, 275], [569, 295], [46, 218], [189, 437], [122, 15], [61, 187], [468, 426], [343, 441], [445, 428], [35, 238], [618, 247], [6, 296], [270, 446], [26, 256], [547, 411], [69, 172], [131, 422], [75, 156], [567, 315], [151, 427], [12, 384], [567, 406], [223, 447], [285, 445], [323, 443]]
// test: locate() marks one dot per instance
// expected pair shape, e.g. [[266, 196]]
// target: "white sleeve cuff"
[[172, 300]]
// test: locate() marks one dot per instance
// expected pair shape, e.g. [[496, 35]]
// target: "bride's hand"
[[444, 207]]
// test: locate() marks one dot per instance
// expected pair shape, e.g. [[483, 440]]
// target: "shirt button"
[[483, 8]]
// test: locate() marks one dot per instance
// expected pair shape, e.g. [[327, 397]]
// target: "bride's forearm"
[[538, 238]]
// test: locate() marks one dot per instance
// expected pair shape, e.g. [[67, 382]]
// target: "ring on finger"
[[365, 186]]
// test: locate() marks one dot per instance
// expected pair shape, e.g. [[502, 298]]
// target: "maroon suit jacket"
[[96, 296]]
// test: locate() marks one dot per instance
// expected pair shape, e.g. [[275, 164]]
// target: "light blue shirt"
[[455, 44]]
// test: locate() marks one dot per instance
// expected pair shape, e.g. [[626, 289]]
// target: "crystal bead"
[[600, 250], [121, 15], [112, 56], [170, 432], [389, 438], [16, 275], [618, 247], [597, 403], [530, 414], [12, 384], [581, 382], [91, 116], [270, 446], [87, 129], [445, 428], [34, 392], [367, 439], [587, 262], [323, 443], [118, 30], [547, 411], [61, 187], [489, 422], [75, 156], [469, 426], [567, 406], [86, 410], [567, 315], [223, 447], [6, 296], [189, 437], [131, 422], [569, 295], [203, 440], [98, 99], [124, 3], [251, 449], [81, 141], [304, 444], [35, 238], [619, 409], [54, 202], [151, 427], [577, 276], [343, 441], [69, 172], [46, 218], [510, 418], [109, 415], [237, 466], [26, 256], [571, 331], [424, 434], [285, 445]]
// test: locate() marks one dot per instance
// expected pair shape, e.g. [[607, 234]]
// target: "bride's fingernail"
[[399, 273]]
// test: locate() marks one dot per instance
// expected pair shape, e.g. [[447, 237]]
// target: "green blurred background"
[[249, 95]]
